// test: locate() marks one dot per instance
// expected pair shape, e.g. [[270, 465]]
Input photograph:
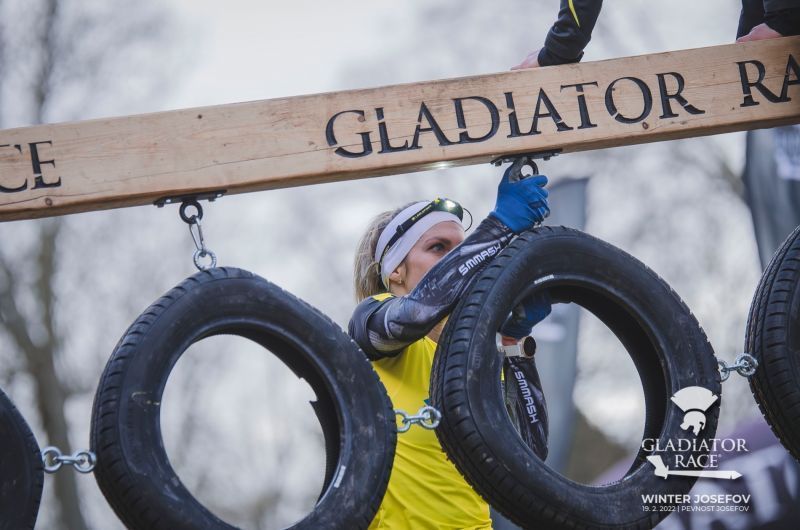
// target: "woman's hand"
[[523, 203], [527, 314]]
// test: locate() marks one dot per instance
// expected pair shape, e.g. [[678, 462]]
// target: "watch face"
[[528, 346]]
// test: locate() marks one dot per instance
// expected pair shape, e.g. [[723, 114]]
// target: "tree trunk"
[[51, 393]]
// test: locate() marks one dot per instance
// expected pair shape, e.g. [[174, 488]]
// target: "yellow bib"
[[425, 490]]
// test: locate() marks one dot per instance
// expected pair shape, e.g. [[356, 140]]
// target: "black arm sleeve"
[[571, 32], [781, 15], [383, 328]]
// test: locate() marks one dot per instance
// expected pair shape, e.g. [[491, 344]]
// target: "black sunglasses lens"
[[453, 207]]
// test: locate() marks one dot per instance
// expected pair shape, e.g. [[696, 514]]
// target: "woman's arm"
[[383, 328]]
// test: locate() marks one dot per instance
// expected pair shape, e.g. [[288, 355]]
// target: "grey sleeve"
[[383, 328]]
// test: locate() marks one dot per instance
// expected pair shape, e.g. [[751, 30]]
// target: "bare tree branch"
[[40, 359], [46, 51], [44, 73]]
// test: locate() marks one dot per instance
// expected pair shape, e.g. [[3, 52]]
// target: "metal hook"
[[516, 175]]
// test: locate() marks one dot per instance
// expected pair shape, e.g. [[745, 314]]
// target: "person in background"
[[572, 30], [768, 19], [569, 35]]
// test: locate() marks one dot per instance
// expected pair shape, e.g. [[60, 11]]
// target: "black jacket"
[[781, 15], [572, 31]]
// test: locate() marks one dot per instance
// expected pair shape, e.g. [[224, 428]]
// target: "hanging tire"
[[773, 338], [355, 413], [21, 469], [665, 342]]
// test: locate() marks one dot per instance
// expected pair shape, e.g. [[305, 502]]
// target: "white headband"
[[400, 249]]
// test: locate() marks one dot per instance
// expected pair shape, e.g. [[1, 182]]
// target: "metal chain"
[[83, 461], [196, 231], [427, 417], [745, 365]]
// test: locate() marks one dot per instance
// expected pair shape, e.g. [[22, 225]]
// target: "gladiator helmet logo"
[[694, 401]]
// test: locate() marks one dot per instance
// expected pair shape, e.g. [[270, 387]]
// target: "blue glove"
[[523, 203], [527, 314]]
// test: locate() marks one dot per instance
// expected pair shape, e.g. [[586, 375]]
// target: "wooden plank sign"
[[107, 163]]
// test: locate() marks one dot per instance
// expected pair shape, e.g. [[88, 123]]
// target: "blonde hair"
[[366, 271]]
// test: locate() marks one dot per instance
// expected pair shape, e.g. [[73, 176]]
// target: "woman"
[[412, 266]]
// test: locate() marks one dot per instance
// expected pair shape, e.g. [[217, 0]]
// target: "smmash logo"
[[530, 404], [478, 258], [694, 457]]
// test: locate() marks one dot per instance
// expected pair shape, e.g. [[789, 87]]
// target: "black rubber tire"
[[773, 338], [665, 342], [357, 418], [21, 469]]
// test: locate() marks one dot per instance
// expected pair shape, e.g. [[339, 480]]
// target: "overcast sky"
[[244, 50], [251, 50]]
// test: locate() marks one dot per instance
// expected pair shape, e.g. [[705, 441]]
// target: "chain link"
[[202, 251], [196, 231], [745, 365], [427, 417], [83, 461]]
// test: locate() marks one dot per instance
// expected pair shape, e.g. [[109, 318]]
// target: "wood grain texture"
[[108, 163]]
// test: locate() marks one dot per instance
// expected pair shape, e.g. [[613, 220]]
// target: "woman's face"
[[440, 239]]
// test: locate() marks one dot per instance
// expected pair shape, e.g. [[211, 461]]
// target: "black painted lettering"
[[647, 100], [666, 96], [513, 122], [366, 143], [464, 137], [432, 127], [37, 163], [24, 185], [386, 145], [586, 122], [791, 68], [748, 85], [552, 113]]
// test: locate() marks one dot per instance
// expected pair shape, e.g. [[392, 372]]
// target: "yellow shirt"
[[425, 489]]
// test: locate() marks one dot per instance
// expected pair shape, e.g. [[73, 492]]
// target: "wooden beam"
[[72, 167]]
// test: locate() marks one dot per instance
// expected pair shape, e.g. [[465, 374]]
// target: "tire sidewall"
[[773, 338], [250, 304], [548, 259], [21, 469]]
